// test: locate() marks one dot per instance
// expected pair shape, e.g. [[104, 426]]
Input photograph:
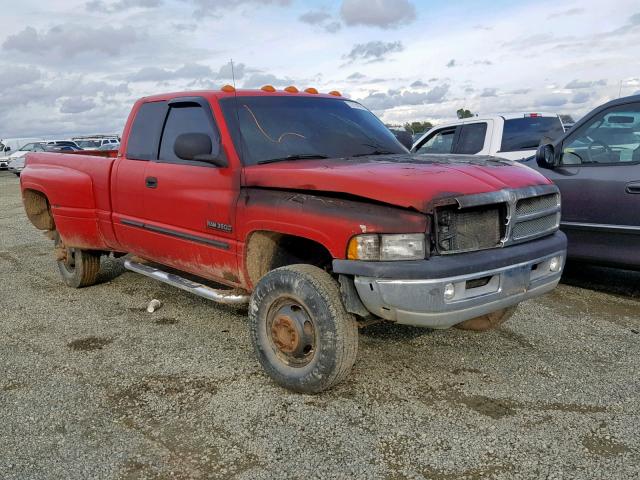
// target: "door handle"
[[633, 187], [151, 182]]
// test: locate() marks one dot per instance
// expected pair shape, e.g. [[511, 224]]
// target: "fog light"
[[449, 291], [555, 264]]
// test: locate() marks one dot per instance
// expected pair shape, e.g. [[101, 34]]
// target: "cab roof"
[[231, 92]]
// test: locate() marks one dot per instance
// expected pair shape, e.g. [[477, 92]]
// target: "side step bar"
[[228, 297]]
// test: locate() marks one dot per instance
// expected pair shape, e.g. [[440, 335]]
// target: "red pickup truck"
[[306, 207]]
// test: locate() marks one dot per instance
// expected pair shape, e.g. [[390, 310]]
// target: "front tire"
[[489, 321], [78, 268], [303, 336]]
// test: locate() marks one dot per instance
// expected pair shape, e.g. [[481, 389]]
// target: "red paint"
[[327, 201], [409, 185]]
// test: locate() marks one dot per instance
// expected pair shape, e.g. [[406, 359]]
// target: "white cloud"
[[394, 98], [321, 19], [378, 13], [257, 80], [77, 105], [550, 100], [373, 51], [71, 40], [19, 76], [574, 84], [315, 17], [217, 8], [489, 92], [66, 56], [581, 97], [191, 71], [100, 6]]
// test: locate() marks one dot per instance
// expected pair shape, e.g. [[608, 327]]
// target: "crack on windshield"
[[266, 135]]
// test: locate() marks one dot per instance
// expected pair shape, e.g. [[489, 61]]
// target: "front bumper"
[[419, 300], [4, 163]]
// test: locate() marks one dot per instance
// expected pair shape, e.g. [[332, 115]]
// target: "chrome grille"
[[535, 227], [535, 216], [527, 206]]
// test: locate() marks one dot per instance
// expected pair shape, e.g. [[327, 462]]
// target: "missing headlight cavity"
[[469, 229]]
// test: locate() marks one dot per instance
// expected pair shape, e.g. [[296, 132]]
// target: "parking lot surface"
[[93, 386]]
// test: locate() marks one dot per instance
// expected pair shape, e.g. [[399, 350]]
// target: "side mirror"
[[546, 156], [7, 149], [198, 147]]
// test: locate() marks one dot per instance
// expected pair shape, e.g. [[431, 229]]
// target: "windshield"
[[281, 128], [27, 148], [88, 143], [526, 133]]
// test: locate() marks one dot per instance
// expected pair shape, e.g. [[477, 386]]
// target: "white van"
[[512, 136]]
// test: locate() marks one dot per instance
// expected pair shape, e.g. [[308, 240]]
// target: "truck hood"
[[404, 180]]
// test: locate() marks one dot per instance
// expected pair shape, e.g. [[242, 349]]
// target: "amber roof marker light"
[[291, 89], [335, 93], [228, 89], [268, 88], [311, 90]]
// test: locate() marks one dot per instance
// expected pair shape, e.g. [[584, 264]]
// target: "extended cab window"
[[439, 142], [527, 132], [187, 118], [145, 132], [611, 137], [471, 138]]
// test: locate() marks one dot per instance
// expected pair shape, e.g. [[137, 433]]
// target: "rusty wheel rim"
[[66, 256], [291, 333]]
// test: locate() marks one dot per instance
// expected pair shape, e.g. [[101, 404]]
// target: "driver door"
[[599, 179]]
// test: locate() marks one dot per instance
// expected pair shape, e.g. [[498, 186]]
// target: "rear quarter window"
[[144, 136], [526, 133], [471, 138]]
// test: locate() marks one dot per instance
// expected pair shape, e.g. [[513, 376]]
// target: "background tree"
[[417, 127], [566, 118], [462, 113]]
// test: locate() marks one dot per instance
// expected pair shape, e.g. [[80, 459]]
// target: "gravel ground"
[[93, 386]]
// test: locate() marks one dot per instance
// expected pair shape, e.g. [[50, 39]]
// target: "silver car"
[[17, 165]]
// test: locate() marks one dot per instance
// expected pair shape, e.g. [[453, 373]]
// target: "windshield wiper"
[[375, 152], [298, 156], [377, 149]]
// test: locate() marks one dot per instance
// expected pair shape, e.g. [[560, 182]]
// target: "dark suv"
[[596, 165]]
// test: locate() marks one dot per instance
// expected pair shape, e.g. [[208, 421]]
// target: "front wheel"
[[489, 321], [78, 268], [302, 334]]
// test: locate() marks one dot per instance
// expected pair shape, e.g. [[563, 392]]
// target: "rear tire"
[[489, 321], [303, 336], [78, 268]]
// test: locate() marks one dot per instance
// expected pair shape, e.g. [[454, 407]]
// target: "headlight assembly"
[[387, 247]]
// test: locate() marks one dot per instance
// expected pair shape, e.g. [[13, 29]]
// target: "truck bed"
[[77, 187]]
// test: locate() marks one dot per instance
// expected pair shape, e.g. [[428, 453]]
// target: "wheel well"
[[269, 250], [38, 210]]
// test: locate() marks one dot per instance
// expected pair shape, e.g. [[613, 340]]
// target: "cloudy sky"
[[76, 66]]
